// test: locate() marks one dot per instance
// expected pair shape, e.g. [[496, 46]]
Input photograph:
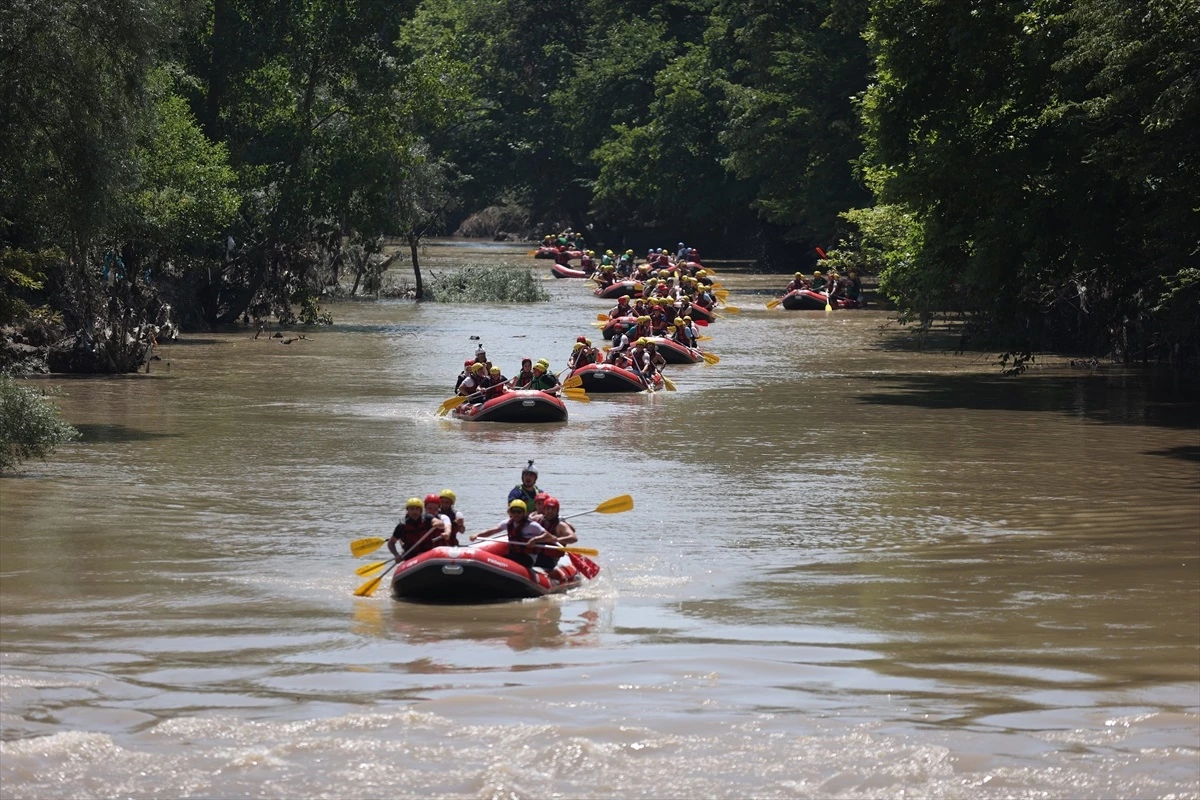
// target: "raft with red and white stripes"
[[480, 573], [515, 405]]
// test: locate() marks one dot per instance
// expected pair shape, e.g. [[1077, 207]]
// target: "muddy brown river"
[[856, 567]]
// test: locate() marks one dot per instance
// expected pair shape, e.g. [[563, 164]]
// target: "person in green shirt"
[[543, 379]]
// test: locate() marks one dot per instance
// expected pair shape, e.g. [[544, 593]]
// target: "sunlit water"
[[855, 568]]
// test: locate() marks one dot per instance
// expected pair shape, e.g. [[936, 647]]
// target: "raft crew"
[[622, 308], [433, 508], [474, 382], [416, 532]]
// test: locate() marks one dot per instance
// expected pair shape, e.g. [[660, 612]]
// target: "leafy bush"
[[486, 284], [30, 427]]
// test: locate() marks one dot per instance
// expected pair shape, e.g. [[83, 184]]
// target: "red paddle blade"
[[588, 568], [820, 252]]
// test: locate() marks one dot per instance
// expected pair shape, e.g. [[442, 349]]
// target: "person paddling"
[[522, 379], [562, 531], [522, 532], [458, 524], [433, 508], [416, 532], [543, 379]]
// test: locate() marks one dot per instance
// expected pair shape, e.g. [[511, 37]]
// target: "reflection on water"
[[854, 568], [520, 626]]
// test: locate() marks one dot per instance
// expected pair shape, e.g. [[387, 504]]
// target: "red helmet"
[[468, 363], [540, 497], [582, 339], [434, 498], [551, 504]]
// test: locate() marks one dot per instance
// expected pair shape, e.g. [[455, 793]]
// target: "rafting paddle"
[[577, 394], [670, 384], [711, 358], [614, 505], [573, 382], [360, 547]]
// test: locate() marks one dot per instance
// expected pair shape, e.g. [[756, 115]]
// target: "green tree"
[[30, 427]]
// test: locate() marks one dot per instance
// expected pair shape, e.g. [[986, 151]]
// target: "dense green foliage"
[[483, 283], [30, 427], [1030, 166]]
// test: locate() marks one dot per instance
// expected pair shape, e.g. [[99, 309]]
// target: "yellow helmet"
[[494, 370], [816, 272], [448, 494], [643, 341], [608, 252], [798, 275], [414, 502], [578, 346], [518, 504], [701, 273]]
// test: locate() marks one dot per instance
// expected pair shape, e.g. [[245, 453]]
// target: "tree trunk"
[[413, 240]]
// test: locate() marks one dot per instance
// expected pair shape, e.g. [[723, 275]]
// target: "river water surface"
[[855, 568]]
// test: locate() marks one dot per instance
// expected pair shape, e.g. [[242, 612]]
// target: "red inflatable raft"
[[515, 405], [610, 328], [561, 271], [675, 353], [701, 314], [808, 300], [631, 288], [610, 378], [478, 574], [551, 252]]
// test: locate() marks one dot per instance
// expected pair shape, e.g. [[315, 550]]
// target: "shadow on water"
[[115, 433], [1159, 400], [1189, 452]]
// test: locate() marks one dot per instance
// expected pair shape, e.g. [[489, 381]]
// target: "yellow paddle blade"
[[597, 324], [602, 318], [670, 384], [580, 551], [711, 358], [703, 338], [578, 395], [360, 547], [367, 569], [732, 310], [368, 588], [573, 382], [773, 303], [453, 402], [827, 306], [614, 506]]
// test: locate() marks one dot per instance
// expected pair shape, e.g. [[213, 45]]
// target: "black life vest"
[[409, 532]]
